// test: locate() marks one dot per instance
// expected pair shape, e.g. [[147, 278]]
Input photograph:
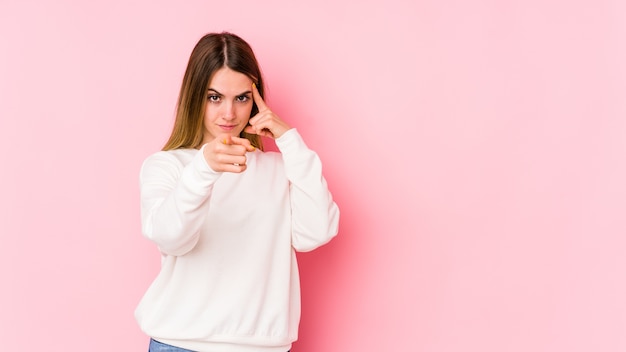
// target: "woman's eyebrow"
[[238, 95]]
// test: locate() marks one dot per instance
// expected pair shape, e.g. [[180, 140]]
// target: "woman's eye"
[[243, 98], [214, 98]]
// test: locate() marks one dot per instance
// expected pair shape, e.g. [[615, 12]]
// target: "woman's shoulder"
[[173, 154], [176, 158]]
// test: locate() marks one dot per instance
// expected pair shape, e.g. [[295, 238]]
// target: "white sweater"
[[229, 278]]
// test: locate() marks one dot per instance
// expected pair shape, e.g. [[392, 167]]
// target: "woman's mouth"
[[227, 127]]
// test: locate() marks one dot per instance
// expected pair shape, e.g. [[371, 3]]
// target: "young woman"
[[227, 217]]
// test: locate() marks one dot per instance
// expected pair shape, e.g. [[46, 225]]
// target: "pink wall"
[[477, 153]]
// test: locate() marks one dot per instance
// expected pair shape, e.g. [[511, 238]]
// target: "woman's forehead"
[[226, 81]]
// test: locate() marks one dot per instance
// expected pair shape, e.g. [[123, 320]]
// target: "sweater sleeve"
[[315, 216], [174, 198]]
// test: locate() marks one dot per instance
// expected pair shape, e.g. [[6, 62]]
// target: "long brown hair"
[[211, 53]]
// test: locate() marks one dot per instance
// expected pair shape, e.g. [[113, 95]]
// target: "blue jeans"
[[156, 346]]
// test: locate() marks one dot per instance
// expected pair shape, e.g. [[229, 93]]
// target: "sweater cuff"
[[203, 174], [290, 141], [201, 163]]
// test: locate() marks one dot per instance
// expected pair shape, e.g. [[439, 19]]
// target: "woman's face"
[[229, 103]]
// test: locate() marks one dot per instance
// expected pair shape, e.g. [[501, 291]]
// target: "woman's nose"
[[228, 111]]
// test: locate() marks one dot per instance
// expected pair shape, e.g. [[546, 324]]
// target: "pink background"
[[476, 149]]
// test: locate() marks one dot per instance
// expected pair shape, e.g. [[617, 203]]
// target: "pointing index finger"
[[260, 103], [243, 142]]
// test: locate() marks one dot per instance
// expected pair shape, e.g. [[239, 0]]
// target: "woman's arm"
[[315, 216], [174, 200]]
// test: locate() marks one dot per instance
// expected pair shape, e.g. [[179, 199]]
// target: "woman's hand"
[[227, 153], [265, 123]]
